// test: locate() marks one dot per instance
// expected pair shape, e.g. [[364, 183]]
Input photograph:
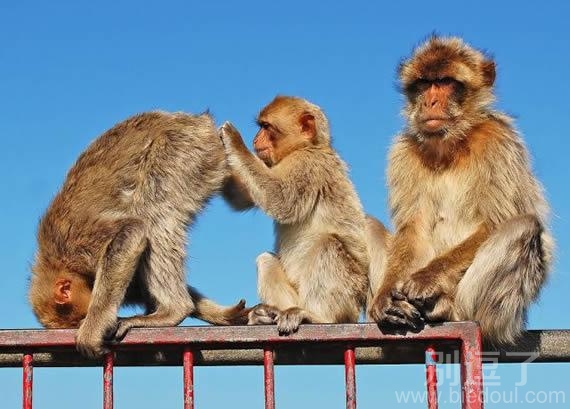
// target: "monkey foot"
[[263, 314]]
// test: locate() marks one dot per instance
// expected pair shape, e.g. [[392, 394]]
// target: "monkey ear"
[[308, 127], [488, 69], [62, 291]]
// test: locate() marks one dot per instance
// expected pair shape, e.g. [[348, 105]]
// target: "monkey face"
[[286, 124], [447, 85], [437, 103], [264, 143]]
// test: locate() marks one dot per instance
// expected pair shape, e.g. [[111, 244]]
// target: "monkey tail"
[[505, 278], [213, 313]]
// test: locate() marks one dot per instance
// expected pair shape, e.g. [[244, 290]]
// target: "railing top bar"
[[312, 345], [251, 336]]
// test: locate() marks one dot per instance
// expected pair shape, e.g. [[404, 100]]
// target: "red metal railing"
[[341, 344]]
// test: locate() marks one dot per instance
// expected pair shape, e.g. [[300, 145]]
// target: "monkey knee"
[[174, 314], [131, 236], [500, 326], [267, 265], [376, 229]]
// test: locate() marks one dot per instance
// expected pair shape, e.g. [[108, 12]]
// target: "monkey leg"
[[333, 289], [162, 274], [112, 279], [273, 285], [378, 240], [505, 277], [274, 289]]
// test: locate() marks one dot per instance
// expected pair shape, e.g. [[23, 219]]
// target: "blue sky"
[[70, 70]]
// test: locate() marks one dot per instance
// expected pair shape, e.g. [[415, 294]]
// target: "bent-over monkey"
[[116, 231]]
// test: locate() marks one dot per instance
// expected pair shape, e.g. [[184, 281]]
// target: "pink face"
[[264, 143], [434, 99]]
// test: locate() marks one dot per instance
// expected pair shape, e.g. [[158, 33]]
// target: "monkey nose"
[[431, 102]]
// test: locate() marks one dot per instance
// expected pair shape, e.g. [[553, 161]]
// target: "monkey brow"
[[267, 125]]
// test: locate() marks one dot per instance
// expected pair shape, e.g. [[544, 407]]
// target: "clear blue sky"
[[71, 69]]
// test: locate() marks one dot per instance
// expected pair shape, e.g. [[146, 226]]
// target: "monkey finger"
[[121, 332], [260, 320], [392, 320], [411, 316], [425, 301], [397, 295], [229, 131], [262, 314]]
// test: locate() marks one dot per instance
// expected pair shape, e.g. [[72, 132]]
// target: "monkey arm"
[[284, 194], [286, 198], [401, 256], [236, 195], [451, 265], [388, 305]]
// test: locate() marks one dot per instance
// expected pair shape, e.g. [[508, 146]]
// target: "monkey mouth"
[[434, 124], [264, 155]]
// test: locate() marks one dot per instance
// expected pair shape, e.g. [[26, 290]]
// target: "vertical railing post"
[[108, 381], [472, 370], [269, 378], [188, 363], [431, 377], [350, 377], [28, 380]]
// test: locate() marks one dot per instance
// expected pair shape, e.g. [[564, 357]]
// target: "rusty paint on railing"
[[344, 338], [431, 377], [350, 377], [28, 381]]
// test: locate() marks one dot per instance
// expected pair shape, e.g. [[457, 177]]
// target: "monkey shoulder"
[[316, 165], [404, 165], [507, 184], [499, 144]]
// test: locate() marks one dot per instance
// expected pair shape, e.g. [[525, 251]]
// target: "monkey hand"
[[90, 339], [424, 288], [231, 139], [392, 309]]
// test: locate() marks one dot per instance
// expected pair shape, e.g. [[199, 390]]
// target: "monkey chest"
[[450, 214]]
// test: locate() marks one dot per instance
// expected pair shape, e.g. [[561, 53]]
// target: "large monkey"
[[319, 271], [115, 233], [471, 241]]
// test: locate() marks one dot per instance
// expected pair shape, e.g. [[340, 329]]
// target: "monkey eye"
[[263, 125], [420, 85], [445, 81]]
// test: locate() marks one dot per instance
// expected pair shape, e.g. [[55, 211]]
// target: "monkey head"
[[447, 85], [288, 124], [62, 301]]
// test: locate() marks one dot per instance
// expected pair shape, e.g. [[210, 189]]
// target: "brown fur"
[[319, 270], [471, 240], [116, 231]]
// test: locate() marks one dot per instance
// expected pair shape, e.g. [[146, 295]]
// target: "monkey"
[[319, 270], [116, 231], [471, 238]]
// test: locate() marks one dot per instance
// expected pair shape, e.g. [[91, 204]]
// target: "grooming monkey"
[[471, 239], [319, 271], [116, 231]]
